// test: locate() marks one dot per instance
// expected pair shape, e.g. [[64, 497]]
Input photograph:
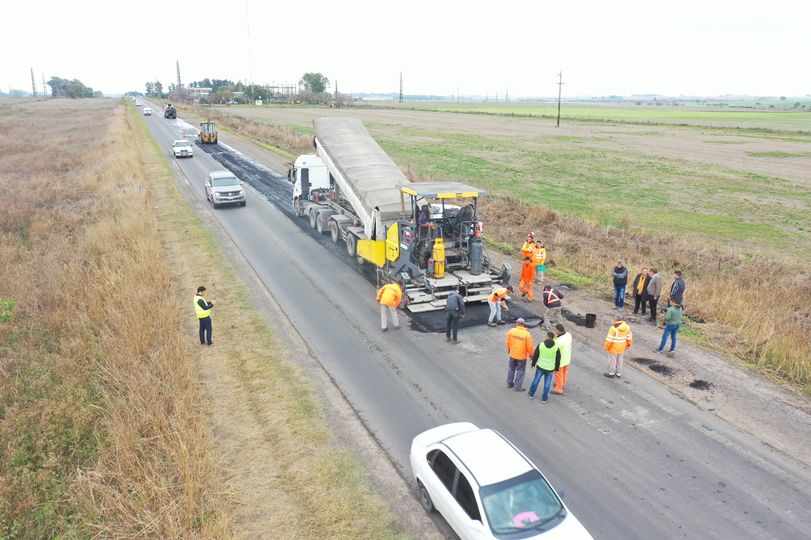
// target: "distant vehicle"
[[182, 148], [147, 111], [222, 187], [138, 103], [486, 488], [170, 112], [207, 133]]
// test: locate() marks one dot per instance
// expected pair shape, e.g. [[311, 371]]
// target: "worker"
[[552, 300], [519, 349], [546, 361], [527, 278], [389, 296], [618, 340], [496, 300], [564, 341], [529, 246], [454, 310], [203, 310], [539, 258]]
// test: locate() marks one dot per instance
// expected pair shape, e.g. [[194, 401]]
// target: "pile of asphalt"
[[475, 315]]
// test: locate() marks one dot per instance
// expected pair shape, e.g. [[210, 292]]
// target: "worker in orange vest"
[[389, 296], [529, 246], [618, 340], [519, 349], [527, 278], [496, 300]]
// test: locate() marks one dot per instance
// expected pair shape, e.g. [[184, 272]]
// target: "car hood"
[[221, 189], [569, 529]]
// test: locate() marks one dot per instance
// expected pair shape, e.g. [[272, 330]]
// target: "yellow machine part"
[[393, 243], [439, 258], [373, 251]]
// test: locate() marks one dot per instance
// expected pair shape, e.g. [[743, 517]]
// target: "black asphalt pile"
[[475, 315], [699, 384], [576, 318], [653, 365]]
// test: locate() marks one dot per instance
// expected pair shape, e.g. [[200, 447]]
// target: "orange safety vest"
[[619, 338], [519, 343], [527, 272], [390, 295], [498, 294]]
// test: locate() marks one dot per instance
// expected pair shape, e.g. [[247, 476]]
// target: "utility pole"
[[507, 95], [44, 88], [179, 88], [250, 58], [337, 103], [34, 83], [560, 89], [401, 87]]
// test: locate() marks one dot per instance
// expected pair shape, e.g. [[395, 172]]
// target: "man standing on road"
[[677, 289], [527, 278], [203, 311], [618, 340], [654, 290], [454, 310], [496, 300], [552, 300], [546, 361], [640, 288], [620, 276], [671, 326], [564, 342], [389, 295], [519, 349]]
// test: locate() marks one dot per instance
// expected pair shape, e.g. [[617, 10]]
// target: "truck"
[[424, 235], [169, 112]]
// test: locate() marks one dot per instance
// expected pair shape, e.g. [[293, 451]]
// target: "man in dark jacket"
[[654, 290], [454, 310], [677, 289], [640, 289], [552, 300], [620, 275]]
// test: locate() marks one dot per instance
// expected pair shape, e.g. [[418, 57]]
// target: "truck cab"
[[311, 180]]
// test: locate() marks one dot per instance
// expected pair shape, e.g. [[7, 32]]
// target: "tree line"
[[72, 88]]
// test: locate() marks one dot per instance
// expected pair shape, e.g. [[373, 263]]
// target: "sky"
[[442, 47]]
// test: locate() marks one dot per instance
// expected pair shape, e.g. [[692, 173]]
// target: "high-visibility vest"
[[519, 343], [539, 257], [565, 343], [390, 295], [619, 338], [547, 356], [550, 298], [201, 313], [498, 294], [527, 250]]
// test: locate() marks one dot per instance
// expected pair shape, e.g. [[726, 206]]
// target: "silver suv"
[[222, 187]]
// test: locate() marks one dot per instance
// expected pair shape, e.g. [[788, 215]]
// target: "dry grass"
[[102, 432], [756, 307]]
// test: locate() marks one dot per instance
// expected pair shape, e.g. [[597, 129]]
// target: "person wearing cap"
[[496, 300], [519, 350], [618, 340], [527, 282], [389, 296], [620, 277], [564, 342], [203, 310], [552, 300], [546, 361]]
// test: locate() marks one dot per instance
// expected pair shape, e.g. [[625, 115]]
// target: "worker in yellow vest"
[[203, 310], [389, 296], [546, 361], [564, 342], [529, 246], [618, 340], [539, 258]]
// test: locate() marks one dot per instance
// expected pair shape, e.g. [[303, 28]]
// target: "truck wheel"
[[319, 226], [313, 218], [296, 211], [351, 246], [334, 232]]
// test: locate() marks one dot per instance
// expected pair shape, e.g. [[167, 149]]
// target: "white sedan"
[[485, 487], [182, 148], [147, 111]]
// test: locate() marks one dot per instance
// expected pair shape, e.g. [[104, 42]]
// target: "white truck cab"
[[309, 173]]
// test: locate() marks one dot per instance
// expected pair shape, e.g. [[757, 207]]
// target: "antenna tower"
[[33, 83]]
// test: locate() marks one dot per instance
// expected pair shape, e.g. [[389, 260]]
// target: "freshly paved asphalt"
[[631, 459]]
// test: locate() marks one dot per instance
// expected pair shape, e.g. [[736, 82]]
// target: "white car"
[[485, 487], [147, 111], [222, 187], [182, 148]]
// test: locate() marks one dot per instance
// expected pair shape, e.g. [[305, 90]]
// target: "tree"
[[314, 82], [69, 88]]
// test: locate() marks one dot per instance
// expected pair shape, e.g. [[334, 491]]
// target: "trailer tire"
[[313, 218], [319, 226], [334, 232], [351, 245]]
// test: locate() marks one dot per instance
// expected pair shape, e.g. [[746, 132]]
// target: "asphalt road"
[[631, 459]]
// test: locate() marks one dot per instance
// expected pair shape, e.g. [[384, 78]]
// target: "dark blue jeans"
[[547, 382], [205, 330], [619, 295], [670, 330]]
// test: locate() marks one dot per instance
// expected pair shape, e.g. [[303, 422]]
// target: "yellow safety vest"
[[201, 313], [547, 356]]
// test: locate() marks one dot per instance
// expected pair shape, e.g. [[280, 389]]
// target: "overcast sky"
[[691, 47]]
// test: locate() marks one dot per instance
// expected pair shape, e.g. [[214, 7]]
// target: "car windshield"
[[225, 181], [521, 503], [181, 143]]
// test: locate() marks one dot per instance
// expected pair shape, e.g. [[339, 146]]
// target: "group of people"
[[550, 358]]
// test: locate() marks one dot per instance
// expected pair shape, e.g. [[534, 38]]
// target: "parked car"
[[182, 148], [147, 111], [222, 187], [485, 487]]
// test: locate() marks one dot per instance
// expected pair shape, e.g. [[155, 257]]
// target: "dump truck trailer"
[[424, 235]]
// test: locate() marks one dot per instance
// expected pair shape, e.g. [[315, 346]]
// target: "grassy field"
[[780, 120], [105, 423], [596, 193]]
